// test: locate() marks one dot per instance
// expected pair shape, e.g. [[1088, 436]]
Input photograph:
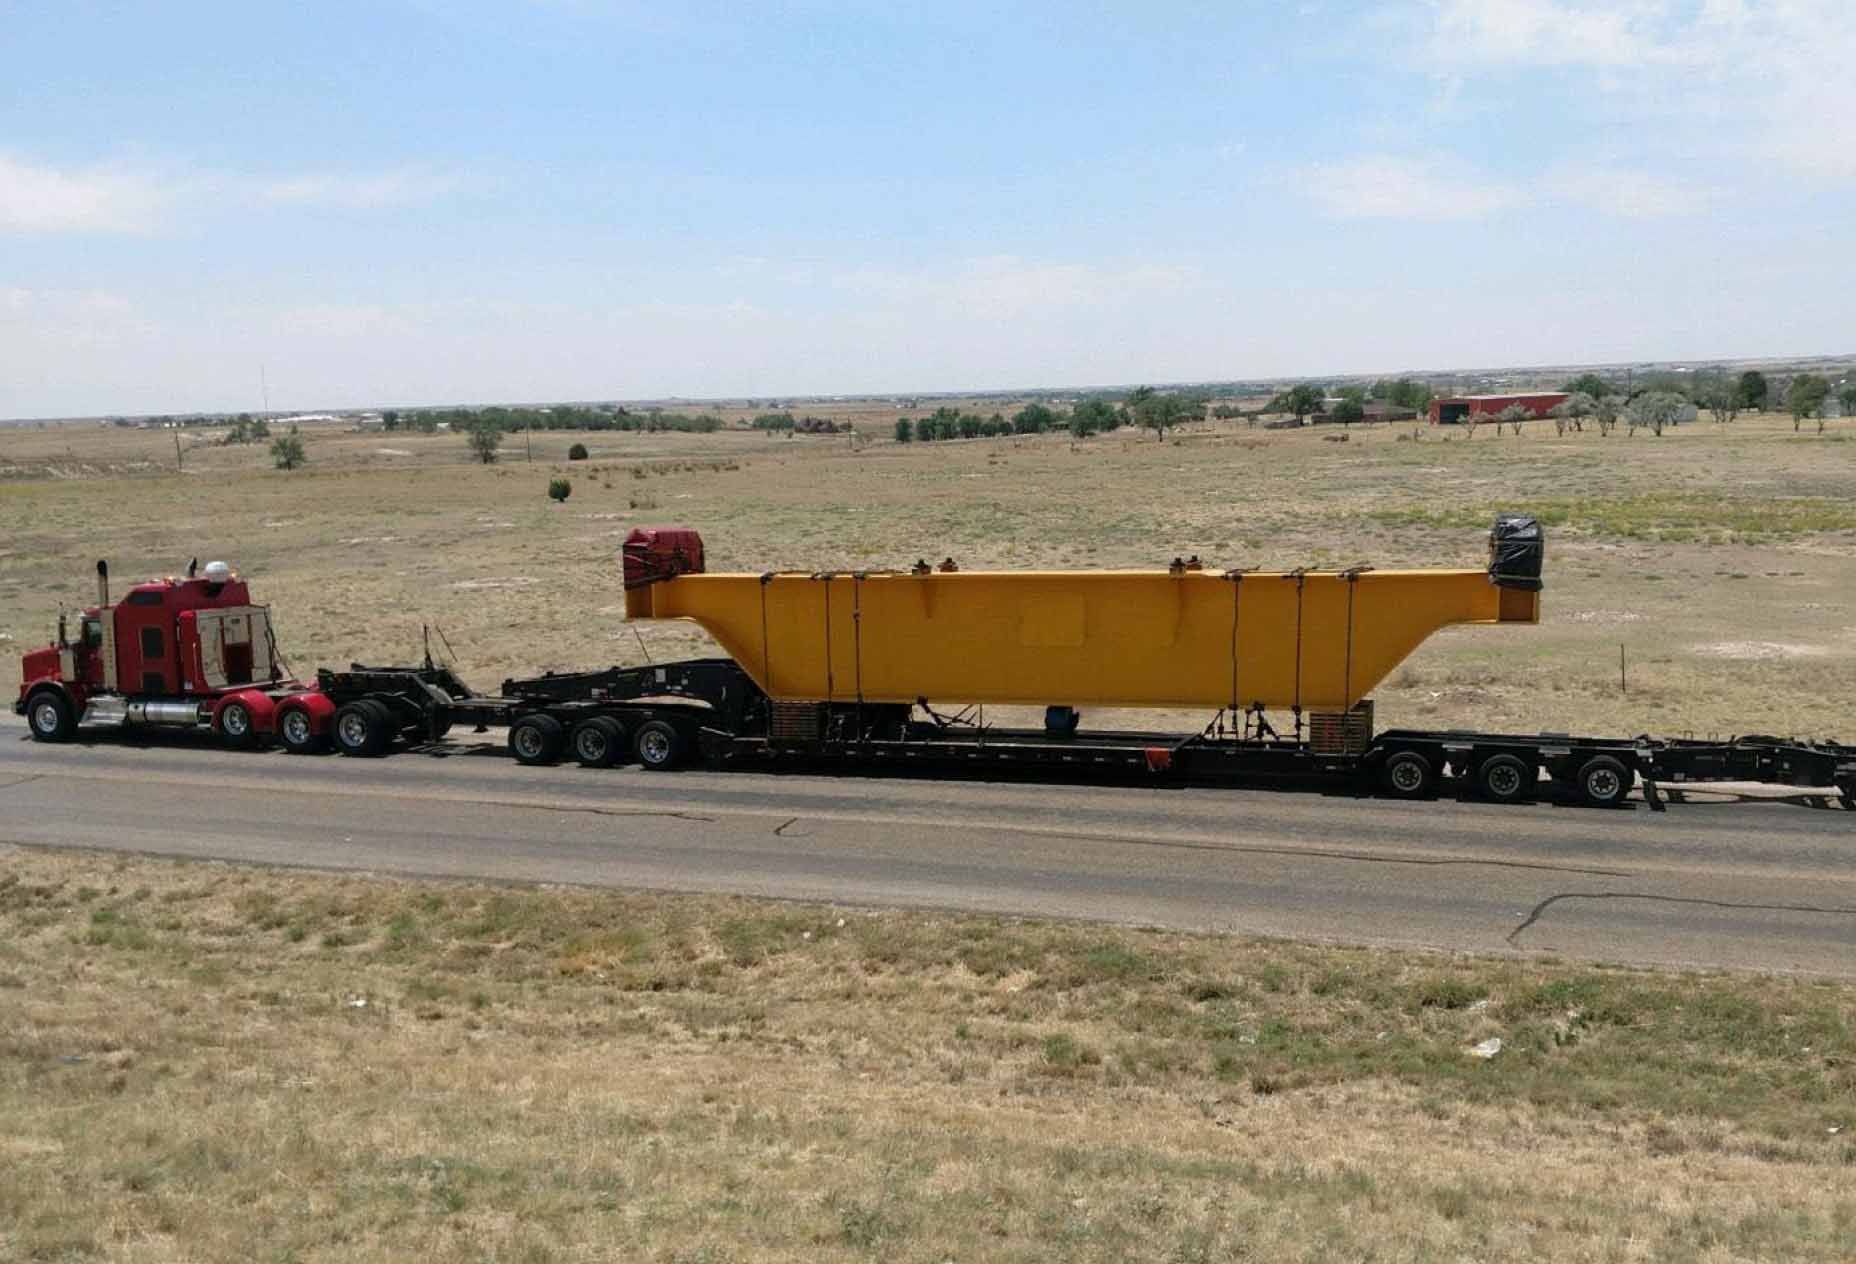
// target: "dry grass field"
[[1721, 558], [202, 1062], [205, 1062]]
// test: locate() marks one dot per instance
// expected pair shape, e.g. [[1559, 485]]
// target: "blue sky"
[[420, 201]]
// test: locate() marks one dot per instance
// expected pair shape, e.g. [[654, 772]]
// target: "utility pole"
[[178, 463]]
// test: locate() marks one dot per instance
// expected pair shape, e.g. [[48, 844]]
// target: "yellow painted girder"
[[1320, 641]]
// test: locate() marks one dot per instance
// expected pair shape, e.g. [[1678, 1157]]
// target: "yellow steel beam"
[[1317, 640]]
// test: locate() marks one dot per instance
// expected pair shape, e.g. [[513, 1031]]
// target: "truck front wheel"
[[52, 717]]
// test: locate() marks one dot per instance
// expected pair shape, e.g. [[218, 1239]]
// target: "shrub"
[[577, 452], [287, 450], [559, 489]]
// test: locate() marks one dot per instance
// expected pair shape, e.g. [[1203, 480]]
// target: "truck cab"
[[174, 652]]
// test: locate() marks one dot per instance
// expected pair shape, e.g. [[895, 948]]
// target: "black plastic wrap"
[[1517, 550]]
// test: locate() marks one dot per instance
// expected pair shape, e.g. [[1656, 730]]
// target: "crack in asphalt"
[[669, 814], [779, 831], [20, 781], [1539, 910], [1320, 853]]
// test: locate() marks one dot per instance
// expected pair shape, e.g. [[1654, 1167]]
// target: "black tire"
[[50, 715], [362, 729], [235, 725], [598, 742], [1505, 779], [658, 745], [298, 733], [536, 739], [1604, 782], [1408, 774]]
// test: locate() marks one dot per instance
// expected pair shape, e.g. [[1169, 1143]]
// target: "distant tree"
[[905, 430], [1515, 415], [1846, 396], [390, 420], [484, 440], [1605, 413], [559, 489], [1656, 410], [1159, 413], [1348, 411], [1033, 419], [1093, 416], [287, 450], [1806, 397], [1355, 393], [1721, 396], [260, 428], [1573, 410], [1754, 390], [1302, 400], [1590, 384], [577, 452], [1381, 390]]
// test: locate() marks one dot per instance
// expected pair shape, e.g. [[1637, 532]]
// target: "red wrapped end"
[[653, 554]]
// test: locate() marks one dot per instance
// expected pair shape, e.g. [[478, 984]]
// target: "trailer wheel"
[[1604, 782], [298, 732], [536, 739], [1505, 779], [1407, 774], [658, 745], [52, 717], [598, 742], [361, 729]]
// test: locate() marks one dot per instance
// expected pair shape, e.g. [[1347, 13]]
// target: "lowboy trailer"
[[837, 669], [710, 709]]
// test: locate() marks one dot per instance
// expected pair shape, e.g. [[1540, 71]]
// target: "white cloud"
[[1386, 186], [1004, 286], [1382, 186], [1753, 78], [358, 191], [1551, 32], [124, 198], [40, 199]]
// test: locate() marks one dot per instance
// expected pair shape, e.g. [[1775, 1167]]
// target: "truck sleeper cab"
[[178, 653]]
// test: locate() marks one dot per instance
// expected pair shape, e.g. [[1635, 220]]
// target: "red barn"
[[1457, 408]]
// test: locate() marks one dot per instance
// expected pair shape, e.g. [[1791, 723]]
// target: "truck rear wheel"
[[235, 726], [51, 716], [598, 742], [362, 729], [1408, 774], [658, 745], [536, 739], [298, 732], [1604, 782], [1505, 778]]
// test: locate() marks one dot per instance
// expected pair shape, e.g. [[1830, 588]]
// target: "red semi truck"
[[178, 653]]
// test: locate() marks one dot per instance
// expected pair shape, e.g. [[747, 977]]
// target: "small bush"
[[577, 452], [559, 489]]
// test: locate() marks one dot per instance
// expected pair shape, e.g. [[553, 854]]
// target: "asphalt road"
[[1762, 885]]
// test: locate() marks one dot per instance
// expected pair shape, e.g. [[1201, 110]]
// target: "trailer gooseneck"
[[876, 670]]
